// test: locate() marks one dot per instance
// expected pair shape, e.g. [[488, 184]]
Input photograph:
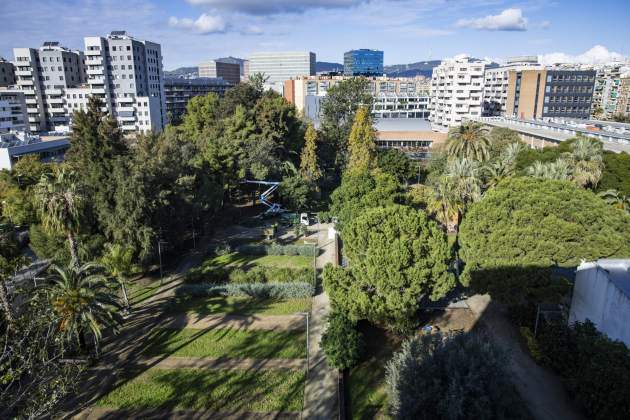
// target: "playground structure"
[[272, 208]]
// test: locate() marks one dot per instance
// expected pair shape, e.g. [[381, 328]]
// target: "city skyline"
[[191, 31]]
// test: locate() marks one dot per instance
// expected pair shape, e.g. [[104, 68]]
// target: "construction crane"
[[273, 208]]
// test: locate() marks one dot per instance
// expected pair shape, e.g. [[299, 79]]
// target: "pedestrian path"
[[161, 413]]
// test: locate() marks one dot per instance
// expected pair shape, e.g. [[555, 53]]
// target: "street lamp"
[[160, 243]]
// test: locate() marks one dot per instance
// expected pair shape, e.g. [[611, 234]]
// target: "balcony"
[[92, 52], [31, 101], [33, 119], [95, 72], [23, 72], [98, 91]]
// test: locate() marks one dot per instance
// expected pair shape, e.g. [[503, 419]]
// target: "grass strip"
[[217, 390], [237, 260], [239, 305]]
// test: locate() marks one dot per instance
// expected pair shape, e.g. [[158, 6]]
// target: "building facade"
[[179, 91], [13, 115], [230, 72], [363, 62], [415, 137], [280, 66], [457, 91], [550, 93], [7, 73], [623, 103]]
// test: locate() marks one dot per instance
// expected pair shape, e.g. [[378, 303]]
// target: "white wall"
[[596, 297], [5, 159]]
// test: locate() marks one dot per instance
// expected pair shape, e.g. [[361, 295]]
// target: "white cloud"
[[269, 7], [205, 24], [507, 20], [252, 30], [596, 55]]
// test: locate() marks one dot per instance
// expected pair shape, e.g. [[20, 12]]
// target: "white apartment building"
[[496, 80], [457, 91], [127, 75], [13, 115], [280, 66]]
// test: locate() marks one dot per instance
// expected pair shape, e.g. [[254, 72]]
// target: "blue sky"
[[407, 30]]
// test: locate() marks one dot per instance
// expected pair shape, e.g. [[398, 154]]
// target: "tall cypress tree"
[[362, 143], [309, 168]]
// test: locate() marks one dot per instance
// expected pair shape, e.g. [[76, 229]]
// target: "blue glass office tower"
[[363, 63]]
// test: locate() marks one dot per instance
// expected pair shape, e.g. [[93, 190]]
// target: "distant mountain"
[[421, 68], [324, 66], [182, 72]]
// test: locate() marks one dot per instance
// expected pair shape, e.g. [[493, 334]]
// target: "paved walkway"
[[321, 394], [259, 322], [175, 362], [542, 390], [159, 414]]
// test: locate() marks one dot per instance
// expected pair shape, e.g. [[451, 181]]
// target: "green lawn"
[[228, 342], [240, 305], [206, 389], [236, 260]]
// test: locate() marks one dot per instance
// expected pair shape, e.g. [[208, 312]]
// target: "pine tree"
[[309, 169], [362, 143]]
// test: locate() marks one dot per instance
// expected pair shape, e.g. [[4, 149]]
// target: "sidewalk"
[[320, 394]]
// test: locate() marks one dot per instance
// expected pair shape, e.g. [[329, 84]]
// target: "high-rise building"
[[13, 115], [550, 93], [457, 91], [242, 63], [43, 74], [179, 91], [363, 62], [623, 104], [126, 73], [277, 67], [496, 83], [606, 91], [7, 73], [230, 72]]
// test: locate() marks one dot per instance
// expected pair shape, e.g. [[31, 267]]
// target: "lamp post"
[[160, 242]]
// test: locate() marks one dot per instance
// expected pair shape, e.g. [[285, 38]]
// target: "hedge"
[[276, 249], [258, 274], [257, 290]]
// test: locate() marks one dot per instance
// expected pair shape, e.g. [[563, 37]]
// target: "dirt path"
[[320, 394], [542, 390], [258, 322], [159, 414], [175, 362]]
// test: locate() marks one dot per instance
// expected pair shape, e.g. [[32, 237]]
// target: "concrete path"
[[321, 391], [541, 389], [175, 362], [259, 322], [159, 414]]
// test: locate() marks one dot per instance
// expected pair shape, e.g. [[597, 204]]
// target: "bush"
[[206, 274], [458, 376], [277, 249], [595, 369], [256, 290], [342, 343]]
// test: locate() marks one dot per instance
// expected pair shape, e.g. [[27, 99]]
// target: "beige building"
[[230, 72], [414, 137]]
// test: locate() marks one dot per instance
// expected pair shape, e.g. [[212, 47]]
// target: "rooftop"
[[402, 124]]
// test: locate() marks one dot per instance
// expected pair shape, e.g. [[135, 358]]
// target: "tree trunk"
[[6, 305], [124, 290], [74, 250]]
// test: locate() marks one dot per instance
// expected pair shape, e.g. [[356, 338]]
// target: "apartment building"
[[126, 73], [457, 91], [228, 71], [43, 74], [280, 66], [363, 62], [623, 103], [13, 115], [179, 91], [393, 97], [550, 93], [7, 73], [496, 80], [606, 91]]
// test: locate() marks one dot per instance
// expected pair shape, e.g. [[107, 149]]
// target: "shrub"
[[206, 274], [595, 369], [458, 376], [277, 249], [255, 290], [342, 343]]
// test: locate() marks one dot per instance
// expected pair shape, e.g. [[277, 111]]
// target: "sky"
[[191, 31]]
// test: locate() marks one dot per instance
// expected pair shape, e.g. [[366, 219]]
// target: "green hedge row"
[[258, 274], [276, 249], [255, 290]]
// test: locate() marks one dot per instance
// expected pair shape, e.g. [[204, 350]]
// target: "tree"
[[362, 143], [559, 170], [60, 201], [341, 341], [616, 174], [10, 261], [245, 94], [469, 141], [504, 165], [295, 192], [118, 260], [586, 159], [463, 179], [85, 300], [359, 191], [397, 257], [455, 376], [201, 117], [396, 162], [500, 138], [309, 168], [525, 226], [17, 206]]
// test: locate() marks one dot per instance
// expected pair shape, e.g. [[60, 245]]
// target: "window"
[[114, 48], [128, 48]]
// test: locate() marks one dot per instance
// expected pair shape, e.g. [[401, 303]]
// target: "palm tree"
[[586, 159], [444, 203], [469, 141], [558, 170], [60, 201], [118, 260], [505, 166], [463, 179], [85, 300], [616, 199]]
